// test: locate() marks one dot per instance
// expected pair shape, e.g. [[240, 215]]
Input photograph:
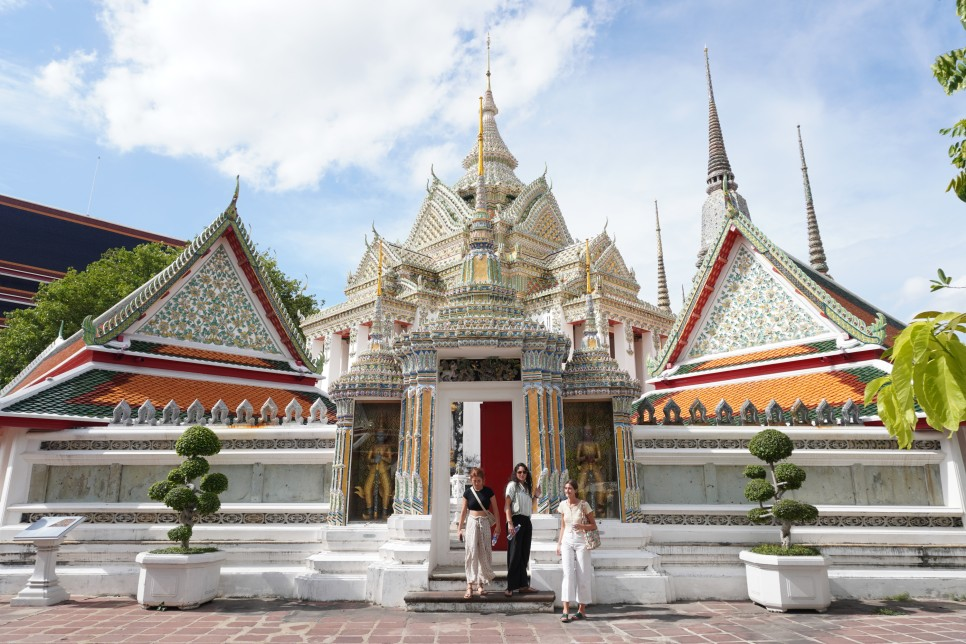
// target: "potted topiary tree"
[[785, 576], [182, 576]]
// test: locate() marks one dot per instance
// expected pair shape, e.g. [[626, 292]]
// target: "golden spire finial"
[[587, 253], [379, 279], [479, 139], [488, 60]]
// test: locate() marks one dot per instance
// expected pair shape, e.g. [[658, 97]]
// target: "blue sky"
[[333, 114]]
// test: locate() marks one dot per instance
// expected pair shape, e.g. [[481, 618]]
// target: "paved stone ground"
[[113, 620]]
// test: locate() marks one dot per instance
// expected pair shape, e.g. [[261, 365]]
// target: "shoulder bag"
[[591, 538], [489, 515]]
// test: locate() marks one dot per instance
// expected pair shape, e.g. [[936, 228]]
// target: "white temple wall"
[[866, 490]]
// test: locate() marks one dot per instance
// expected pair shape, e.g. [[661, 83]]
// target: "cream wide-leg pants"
[[479, 551]]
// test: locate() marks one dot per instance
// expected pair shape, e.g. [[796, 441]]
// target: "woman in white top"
[[576, 517], [518, 507]]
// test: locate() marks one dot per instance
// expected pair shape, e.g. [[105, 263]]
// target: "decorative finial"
[[663, 299], [379, 278], [479, 140], [718, 165], [587, 254], [234, 198], [488, 60], [816, 251]]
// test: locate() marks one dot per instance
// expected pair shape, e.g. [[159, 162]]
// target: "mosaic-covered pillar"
[[414, 474], [338, 495], [544, 421], [630, 493]]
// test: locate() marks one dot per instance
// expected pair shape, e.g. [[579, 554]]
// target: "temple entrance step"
[[452, 578], [452, 601], [447, 585]]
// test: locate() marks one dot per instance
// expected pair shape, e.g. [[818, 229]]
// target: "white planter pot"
[[178, 581], [787, 583]]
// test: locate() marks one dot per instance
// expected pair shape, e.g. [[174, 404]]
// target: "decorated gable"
[[753, 308], [545, 221], [213, 307]]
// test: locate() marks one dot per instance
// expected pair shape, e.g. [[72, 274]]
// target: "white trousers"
[[578, 571]]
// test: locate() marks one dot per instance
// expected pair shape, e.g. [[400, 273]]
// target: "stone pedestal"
[[43, 588]]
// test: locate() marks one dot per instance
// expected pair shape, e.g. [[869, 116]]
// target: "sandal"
[[469, 593], [508, 593], [482, 592], [577, 616], [565, 618]]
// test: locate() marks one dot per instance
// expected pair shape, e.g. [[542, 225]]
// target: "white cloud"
[[64, 78], [283, 97]]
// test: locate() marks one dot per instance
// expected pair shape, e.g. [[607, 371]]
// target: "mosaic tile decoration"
[[752, 309], [213, 308]]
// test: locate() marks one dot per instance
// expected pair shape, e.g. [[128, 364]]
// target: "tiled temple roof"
[[757, 357], [49, 358], [94, 393], [207, 355], [836, 387]]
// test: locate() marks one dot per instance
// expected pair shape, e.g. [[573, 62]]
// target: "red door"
[[496, 454]]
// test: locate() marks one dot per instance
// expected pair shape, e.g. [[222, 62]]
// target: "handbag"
[[591, 538]]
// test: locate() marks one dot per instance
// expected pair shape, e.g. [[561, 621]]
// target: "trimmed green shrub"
[[772, 446], [178, 492]]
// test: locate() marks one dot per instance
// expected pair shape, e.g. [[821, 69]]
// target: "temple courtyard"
[[120, 619]]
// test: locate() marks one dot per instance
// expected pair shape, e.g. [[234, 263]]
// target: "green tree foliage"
[[928, 357], [950, 70], [100, 286], [70, 299], [772, 446], [929, 370], [291, 291], [178, 491]]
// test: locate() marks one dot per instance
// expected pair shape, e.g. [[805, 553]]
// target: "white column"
[[624, 361], [333, 366], [362, 342], [568, 330], [645, 350], [471, 431]]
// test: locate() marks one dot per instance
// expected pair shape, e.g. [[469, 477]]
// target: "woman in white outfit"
[[576, 517]]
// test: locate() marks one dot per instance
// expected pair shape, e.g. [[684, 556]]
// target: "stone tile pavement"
[[113, 620]]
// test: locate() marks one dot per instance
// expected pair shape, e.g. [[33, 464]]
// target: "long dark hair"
[[528, 483]]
